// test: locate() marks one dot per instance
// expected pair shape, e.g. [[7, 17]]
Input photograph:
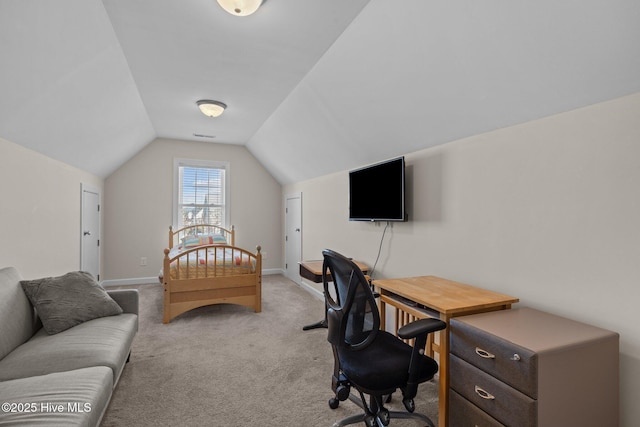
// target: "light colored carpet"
[[225, 365]]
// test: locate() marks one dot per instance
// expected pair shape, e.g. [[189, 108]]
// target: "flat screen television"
[[376, 192]]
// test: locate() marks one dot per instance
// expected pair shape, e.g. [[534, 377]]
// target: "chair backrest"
[[352, 314]]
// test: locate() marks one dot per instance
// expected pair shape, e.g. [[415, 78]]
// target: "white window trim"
[[199, 163]]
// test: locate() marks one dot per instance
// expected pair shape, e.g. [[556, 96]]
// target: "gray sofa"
[[65, 378]]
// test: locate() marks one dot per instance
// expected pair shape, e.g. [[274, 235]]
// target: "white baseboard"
[[144, 280], [127, 282], [313, 291]]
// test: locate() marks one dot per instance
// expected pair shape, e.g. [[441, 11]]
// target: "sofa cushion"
[[73, 398], [105, 341], [17, 318], [66, 301]]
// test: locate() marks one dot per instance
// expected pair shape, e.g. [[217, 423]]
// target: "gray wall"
[[138, 206], [40, 212], [547, 211]]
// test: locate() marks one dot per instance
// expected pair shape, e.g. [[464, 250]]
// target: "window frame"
[[200, 163]]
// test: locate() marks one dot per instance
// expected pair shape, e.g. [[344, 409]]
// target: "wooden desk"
[[312, 270], [430, 296]]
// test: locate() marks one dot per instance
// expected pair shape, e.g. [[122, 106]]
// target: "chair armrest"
[[422, 326], [126, 298], [418, 330]]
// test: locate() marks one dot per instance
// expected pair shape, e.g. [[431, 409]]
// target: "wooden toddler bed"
[[202, 266]]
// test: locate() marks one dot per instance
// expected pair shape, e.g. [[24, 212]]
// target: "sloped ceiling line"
[[343, 83]]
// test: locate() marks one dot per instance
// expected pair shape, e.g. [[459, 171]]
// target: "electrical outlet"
[[143, 261], [264, 255]]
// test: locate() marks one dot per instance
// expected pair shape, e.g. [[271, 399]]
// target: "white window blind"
[[202, 193]]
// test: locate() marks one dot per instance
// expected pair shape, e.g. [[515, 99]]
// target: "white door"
[[293, 236], [90, 231]]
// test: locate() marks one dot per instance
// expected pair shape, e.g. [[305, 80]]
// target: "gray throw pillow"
[[66, 301]]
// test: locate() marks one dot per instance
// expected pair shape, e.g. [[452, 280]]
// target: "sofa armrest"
[[126, 298]]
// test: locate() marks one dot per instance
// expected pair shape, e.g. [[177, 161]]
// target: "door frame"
[[288, 197], [86, 188]]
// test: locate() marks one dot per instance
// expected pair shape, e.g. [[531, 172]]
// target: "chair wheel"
[[409, 404], [370, 421], [342, 392], [384, 417], [333, 403]]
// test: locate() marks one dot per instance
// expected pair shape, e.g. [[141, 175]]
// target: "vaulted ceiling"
[[312, 86]]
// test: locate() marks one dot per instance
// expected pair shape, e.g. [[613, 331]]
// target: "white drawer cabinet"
[[527, 368]]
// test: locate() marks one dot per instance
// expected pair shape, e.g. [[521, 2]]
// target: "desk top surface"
[[315, 266], [445, 296]]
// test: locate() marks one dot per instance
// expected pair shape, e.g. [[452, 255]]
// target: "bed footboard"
[[211, 274]]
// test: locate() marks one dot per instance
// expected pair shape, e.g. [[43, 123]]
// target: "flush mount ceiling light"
[[240, 7], [211, 108]]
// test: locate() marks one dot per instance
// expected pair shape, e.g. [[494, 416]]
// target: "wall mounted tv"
[[376, 192]]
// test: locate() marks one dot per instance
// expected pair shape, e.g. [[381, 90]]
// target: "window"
[[200, 192]]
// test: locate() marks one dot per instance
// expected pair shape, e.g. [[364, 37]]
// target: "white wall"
[[547, 211], [40, 203], [139, 197]]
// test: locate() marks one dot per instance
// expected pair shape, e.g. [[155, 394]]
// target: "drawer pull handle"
[[515, 357], [484, 394], [484, 353]]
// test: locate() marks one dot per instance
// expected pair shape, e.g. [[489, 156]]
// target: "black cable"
[[379, 250]]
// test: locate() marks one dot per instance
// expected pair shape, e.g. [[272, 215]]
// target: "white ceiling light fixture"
[[240, 7], [211, 108]]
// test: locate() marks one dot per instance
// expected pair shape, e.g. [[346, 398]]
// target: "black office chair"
[[374, 362]]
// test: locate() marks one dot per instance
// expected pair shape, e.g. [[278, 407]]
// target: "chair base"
[[360, 418]]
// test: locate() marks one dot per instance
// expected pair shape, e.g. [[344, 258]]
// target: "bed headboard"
[[175, 237]]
